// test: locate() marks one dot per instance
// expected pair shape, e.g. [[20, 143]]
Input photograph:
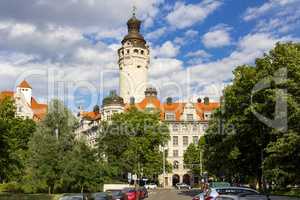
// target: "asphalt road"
[[173, 194]]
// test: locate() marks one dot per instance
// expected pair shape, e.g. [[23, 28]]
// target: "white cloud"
[[189, 36], [198, 56], [218, 36], [156, 34], [255, 12], [209, 78], [275, 16], [95, 15], [166, 50], [199, 53], [164, 66], [185, 15]]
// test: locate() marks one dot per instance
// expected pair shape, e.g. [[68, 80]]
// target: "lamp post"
[[56, 132], [164, 166], [201, 166]]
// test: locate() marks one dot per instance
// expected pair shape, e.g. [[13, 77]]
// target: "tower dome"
[[134, 36], [112, 99]]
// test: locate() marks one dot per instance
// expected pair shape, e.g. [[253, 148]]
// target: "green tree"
[[81, 168], [192, 157], [53, 139], [131, 143], [14, 136], [238, 143]]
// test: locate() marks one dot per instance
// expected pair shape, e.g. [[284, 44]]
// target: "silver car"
[[213, 193], [242, 197]]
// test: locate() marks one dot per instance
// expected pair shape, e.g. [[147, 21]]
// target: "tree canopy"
[[14, 136], [131, 143], [252, 136]]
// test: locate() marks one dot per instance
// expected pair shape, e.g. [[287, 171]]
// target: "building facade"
[[187, 121], [26, 105]]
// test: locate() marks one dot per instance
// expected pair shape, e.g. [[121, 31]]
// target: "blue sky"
[[195, 44]]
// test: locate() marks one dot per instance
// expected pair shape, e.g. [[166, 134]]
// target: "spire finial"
[[133, 10]]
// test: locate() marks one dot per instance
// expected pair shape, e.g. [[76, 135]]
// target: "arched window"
[[136, 51], [139, 66], [142, 52], [122, 52], [128, 51]]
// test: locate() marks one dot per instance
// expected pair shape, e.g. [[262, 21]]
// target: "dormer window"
[[170, 116]]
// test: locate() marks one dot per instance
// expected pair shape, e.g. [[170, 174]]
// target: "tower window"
[[139, 66], [122, 52], [136, 51], [128, 51], [142, 52]]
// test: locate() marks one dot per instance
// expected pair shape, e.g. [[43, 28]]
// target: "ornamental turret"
[[133, 62]]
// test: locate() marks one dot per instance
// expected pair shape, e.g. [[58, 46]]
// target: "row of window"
[[185, 127], [23, 89], [136, 51], [189, 117], [185, 140]]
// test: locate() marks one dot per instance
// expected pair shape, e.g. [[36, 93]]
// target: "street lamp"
[[164, 167], [56, 132], [201, 166]]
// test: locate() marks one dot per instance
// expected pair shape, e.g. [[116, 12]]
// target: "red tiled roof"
[[176, 107], [6, 94], [39, 110], [91, 115], [24, 84]]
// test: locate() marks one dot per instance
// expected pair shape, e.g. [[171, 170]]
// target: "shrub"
[[12, 187]]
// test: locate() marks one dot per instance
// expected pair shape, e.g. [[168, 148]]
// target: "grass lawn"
[[6, 196]]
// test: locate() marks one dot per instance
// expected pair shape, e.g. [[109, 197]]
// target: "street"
[[171, 194]]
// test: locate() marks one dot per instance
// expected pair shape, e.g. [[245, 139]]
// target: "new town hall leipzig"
[[187, 121]]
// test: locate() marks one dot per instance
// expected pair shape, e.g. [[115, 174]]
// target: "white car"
[[183, 186], [151, 186]]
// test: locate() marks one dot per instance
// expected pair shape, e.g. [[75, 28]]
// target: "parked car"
[[73, 197], [143, 193], [183, 186], [243, 197], [132, 193], [117, 194], [101, 196], [213, 193], [151, 186]]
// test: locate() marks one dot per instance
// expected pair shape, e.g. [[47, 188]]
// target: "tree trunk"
[[81, 189], [49, 190]]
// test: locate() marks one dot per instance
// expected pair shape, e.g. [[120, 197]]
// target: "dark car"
[[143, 193], [117, 194], [101, 196], [73, 197]]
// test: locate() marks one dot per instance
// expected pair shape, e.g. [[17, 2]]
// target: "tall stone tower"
[[133, 63]]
